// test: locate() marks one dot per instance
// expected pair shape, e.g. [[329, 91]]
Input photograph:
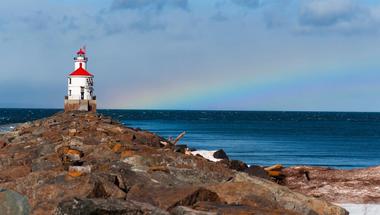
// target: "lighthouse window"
[[69, 92], [69, 80]]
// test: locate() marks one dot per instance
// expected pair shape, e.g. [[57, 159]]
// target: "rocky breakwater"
[[360, 186], [84, 163]]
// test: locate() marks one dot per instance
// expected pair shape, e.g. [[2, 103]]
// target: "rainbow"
[[253, 92]]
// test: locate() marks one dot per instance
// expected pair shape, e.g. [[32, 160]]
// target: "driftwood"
[[179, 137]]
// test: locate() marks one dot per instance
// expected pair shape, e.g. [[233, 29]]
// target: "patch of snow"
[[361, 209], [206, 154]]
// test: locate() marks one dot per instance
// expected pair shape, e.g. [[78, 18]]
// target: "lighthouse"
[[80, 86]]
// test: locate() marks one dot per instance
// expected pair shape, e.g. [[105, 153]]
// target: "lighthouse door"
[[81, 93]]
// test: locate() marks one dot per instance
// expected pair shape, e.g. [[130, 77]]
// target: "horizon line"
[[209, 110]]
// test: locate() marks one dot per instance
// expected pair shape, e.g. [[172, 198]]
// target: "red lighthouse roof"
[[80, 72], [81, 51]]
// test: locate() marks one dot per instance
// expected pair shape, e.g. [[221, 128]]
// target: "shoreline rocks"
[[83, 163], [220, 154], [359, 186]]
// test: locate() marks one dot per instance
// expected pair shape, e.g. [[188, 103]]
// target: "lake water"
[[340, 140]]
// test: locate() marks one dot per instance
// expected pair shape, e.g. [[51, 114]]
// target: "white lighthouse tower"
[[80, 90]]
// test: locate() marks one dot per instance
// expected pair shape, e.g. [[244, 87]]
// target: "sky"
[[285, 55]]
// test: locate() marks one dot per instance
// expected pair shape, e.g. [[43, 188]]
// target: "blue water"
[[340, 140]]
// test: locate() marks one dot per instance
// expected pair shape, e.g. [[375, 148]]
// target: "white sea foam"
[[361, 209], [7, 127], [206, 154]]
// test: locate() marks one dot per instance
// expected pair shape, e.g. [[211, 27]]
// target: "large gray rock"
[[12, 203], [257, 171]]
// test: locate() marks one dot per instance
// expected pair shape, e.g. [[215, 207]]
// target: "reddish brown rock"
[[237, 165], [159, 168], [168, 198], [116, 147], [227, 209], [87, 206], [14, 172], [259, 193], [126, 153], [2, 144], [341, 186]]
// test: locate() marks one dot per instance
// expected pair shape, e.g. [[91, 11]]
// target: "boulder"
[[257, 171], [256, 192], [106, 187], [72, 131], [87, 206], [226, 209], [12, 203], [127, 153], [237, 165], [76, 171], [14, 172], [220, 154], [116, 147], [2, 144], [277, 167], [356, 185], [180, 148], [159, 168], [169, 198]]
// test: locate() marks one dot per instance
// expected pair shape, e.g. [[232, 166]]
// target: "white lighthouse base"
[[80, 105]]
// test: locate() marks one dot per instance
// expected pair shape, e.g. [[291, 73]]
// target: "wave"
[[8, 127]]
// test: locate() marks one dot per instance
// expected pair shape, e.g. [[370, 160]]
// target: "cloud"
[[146, 25], [327, 12], [219, 17], [38, 20], [157, 5], [247, 3], [143, 16], [339, 16], [329, 17], [277, 13], [120, 23]]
